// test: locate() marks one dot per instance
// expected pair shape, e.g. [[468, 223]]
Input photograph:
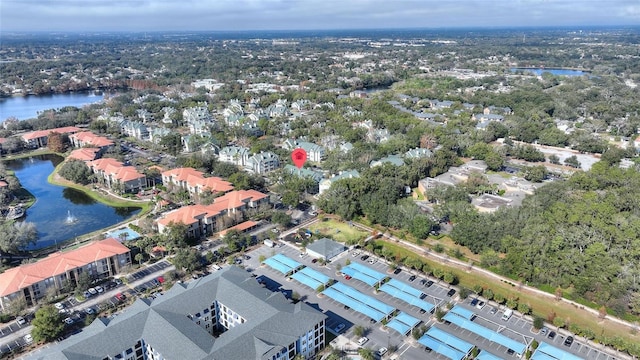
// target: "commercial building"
[[225, 315]]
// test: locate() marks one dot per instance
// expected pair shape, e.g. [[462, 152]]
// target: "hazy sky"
[[152, 15]]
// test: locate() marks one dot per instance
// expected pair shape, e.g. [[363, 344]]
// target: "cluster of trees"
[[76, 171], [580, 235]]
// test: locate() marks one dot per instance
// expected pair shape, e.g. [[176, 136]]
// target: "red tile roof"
[[87, 137], [44, 133], [240, 227], [58, 263], [195, 178], [84, 154]]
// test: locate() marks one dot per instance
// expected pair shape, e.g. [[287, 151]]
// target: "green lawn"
[[338, 231]]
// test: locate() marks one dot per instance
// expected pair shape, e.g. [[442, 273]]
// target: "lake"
[[55, 203], [27, 107], [554, 71]]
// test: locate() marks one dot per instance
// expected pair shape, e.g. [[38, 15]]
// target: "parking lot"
[[343, 320], [111, 294]]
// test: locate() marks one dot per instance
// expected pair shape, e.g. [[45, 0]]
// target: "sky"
[[234, 15]]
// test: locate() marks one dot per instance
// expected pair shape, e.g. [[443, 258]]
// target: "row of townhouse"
[[202, 220], [116, 176], [31, 282], [195, 182], [224, 315], [259, 163], [315, 152]]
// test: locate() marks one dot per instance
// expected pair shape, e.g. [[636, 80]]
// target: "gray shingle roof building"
[[325, 248], [225, 315]]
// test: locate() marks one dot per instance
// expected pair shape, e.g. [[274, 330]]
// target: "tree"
[[47, 324], [55, 142], [281, 218], [139, 257], [16, 236], [535, 173], [187, 260], [358, 330], [76, 171], [366, 354], [572, 161], [554, 159], [538, 322], [172, 142]]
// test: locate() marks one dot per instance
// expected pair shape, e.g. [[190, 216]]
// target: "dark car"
[[412, 277], [397, 271], [314, 261], [568, 341], [552, 334], [429, 283], [364, 257], [451, 292], [474, 302]]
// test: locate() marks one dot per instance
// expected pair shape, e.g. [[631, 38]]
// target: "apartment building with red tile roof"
[[38, 138], [203, 219], [115, 175], [194, 181], [33, 281], [87, 138]]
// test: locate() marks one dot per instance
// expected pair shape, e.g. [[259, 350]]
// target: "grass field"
[[338, 231]]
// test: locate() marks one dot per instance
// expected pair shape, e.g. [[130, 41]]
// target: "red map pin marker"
[[299, 156]]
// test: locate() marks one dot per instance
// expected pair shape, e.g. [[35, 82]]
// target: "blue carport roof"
[[365, 299], [485, 355], [355, 305], [315, 275], [441, 348], [277, 265], [306, 280], [411, 300], [453, 341], [554, 352], [398, 326], [485, 333], [359, 276], [463, 312]]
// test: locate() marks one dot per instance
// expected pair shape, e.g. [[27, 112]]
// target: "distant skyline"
[[234, 15]]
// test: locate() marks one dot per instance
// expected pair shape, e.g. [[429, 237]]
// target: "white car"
[[59, 306], [68, 321], [382, 351], [363, 340], [28, 338], [355, 253], [372, 261], [92, 291], [99, 289], [21, 321]]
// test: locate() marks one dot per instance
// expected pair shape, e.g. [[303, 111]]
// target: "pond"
[[61, 213]]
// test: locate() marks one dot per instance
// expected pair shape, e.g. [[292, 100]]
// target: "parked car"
[[89, 311], [68, 321], [474, 302], [21, 321], [92, 291], [99, 289], [429, 283], [382, 351], [28, 338], [59, 306], [86, 294], [493, 310], [397, 271], [363, 340], [339, 328], [568, 341], [364, 257], [552, 335], [412, 278], [372, 261], [544, 331], [480, 304], [347, 277], [451, 292]]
